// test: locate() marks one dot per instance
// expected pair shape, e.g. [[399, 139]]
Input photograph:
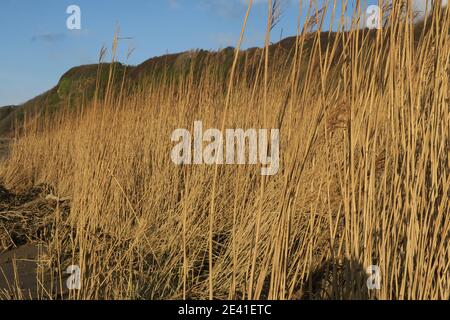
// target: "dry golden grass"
[[364, 178]]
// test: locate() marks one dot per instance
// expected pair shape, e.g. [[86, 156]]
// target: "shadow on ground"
[[26, 223]]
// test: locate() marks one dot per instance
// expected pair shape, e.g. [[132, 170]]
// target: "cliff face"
[[80, 83]]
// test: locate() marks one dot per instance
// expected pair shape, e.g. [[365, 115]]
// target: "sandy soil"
[[19, 269], [26, 221]]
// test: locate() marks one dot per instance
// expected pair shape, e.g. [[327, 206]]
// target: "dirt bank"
[[26, 223]]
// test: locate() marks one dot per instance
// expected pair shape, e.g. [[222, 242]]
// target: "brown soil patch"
[[27, 221]]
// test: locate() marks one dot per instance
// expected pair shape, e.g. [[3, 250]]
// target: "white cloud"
[[174, 4], [422, 6]]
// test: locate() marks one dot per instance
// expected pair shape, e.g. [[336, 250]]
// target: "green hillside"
[[79, 83]]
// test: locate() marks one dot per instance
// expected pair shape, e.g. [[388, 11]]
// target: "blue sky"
[[37, 47]]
